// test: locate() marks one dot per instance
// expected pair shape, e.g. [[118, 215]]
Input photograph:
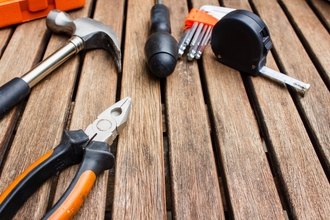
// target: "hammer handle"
[[17, 89], [12, 93], [72, 47]]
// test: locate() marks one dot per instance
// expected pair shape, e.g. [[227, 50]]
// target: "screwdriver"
[[161, 49]]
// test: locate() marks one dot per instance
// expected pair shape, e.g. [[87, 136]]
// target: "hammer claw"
[[94, 34]]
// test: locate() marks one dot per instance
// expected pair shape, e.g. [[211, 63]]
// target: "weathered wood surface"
[[4, 38], [281, 126], [314, 108], [313, 34], [322, 10], [317, 41], [195, 186], [139, 176], [239, 147]]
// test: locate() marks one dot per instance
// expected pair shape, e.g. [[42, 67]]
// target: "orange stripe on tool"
[[196, 15], [22, 175], [76, 197]]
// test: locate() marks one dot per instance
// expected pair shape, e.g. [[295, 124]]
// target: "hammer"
[[86, 34]]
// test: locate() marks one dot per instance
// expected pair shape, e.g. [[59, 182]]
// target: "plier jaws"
[[110, 122]]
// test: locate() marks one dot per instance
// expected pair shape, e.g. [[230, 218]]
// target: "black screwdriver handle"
[[161, 48], [160, 19], [12, 93], [68, 152], [97, 158]]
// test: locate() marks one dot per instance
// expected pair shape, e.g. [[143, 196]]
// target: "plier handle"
[[89, 147]]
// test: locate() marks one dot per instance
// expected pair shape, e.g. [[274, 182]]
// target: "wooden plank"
[[96, 92], [44, 117], [318, 40], [251, 189], [313, 33], [323, 8], [13, 64], [5, 34], [302, 177], [315, 105], [194, 178], [139, 177], [246, 173]]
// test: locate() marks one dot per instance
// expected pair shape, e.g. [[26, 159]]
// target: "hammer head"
[[95, 34]]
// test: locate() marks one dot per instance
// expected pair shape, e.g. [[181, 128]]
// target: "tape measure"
[[241, 40]]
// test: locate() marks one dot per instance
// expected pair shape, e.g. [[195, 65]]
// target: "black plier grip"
[[97, 158], [90, 146], [70, 151]]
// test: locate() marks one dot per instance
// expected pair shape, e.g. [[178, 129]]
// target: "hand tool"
[[91, 147], [86, 34], [161, 48], [241, 40], [18, 11], [198, 29]]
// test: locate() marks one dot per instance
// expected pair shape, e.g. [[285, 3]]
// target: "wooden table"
[[205, 143]]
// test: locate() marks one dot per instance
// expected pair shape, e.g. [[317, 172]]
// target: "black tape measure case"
[[241, 40]]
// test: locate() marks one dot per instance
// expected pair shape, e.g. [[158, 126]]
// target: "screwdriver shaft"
[[284, 78]]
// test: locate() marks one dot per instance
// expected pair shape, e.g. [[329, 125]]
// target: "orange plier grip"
[[70, 151], [97, 158]]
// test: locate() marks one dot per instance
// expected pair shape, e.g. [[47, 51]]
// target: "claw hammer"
[[86, 34]]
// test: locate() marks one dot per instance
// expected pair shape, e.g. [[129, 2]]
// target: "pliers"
[[90, 148]]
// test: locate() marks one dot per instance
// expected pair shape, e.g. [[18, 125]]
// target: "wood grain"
[[194, 179], [315, 105], [5, 34], [318, 40], [139, 176], [323, 9], [44, 118], [295, 161], [313, 33]]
